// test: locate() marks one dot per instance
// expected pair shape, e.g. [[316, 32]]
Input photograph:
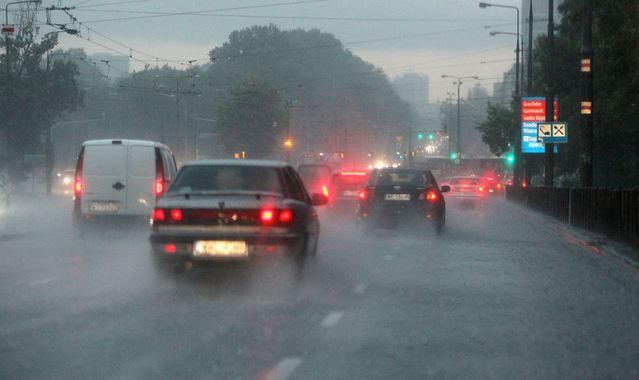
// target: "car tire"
[[440, 225], [299, 252]]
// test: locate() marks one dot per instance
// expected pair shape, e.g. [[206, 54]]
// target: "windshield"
[[212, 178]]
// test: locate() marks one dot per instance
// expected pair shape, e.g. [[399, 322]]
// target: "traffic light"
[[420, 136], [510, 158], [431, 136], [454, 155]]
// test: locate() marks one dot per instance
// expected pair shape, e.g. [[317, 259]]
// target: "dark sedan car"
[[402, 196], [232, 210]]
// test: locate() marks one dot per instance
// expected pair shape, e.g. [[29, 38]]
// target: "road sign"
[[533, 111], [8, 28], [556, 133]]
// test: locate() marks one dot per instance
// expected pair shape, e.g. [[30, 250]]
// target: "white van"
[[120, 177]]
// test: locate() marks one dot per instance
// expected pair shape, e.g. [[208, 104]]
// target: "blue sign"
[[529, 142]]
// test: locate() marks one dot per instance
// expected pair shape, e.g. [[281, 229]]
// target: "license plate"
[[103, 207], [397, 197], [220, 248]]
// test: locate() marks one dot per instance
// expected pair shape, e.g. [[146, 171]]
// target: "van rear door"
[[104, 173], [141, 179]]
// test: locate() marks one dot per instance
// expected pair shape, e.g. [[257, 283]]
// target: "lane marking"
[[331, 319], [283, 370], [360, 289], [44, 281]]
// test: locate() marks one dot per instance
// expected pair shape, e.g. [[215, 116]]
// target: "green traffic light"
[[420, 136], [453, 155], [510, 158], [431, 136]]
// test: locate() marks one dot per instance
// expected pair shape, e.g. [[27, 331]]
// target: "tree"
[[497, 129], [34, 95], [253, 120]]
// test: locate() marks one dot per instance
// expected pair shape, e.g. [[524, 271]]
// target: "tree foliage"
[[497, 129], [253, 120], [33, 95]]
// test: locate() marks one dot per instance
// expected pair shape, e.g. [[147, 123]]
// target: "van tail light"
[[159, 187], [77, 186], [432, 196], [159, 215]]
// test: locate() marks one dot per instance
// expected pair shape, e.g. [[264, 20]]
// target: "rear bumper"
[[183, 241]]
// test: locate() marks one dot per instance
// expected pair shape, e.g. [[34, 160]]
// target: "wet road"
[[503, 294]]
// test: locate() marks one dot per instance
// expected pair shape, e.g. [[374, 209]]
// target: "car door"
[[104, 175], [140, 179]]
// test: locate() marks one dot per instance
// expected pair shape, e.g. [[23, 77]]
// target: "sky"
[[432, 37]]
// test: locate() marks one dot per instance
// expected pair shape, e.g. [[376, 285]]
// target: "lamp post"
[[516, 179], [458, 83]]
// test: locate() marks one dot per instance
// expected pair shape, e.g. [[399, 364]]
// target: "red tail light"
[[481, 189], [363, 195], [285, 216], [176, 214], [159, 187], [267, 216], [77, 186], [170, 248], [159, 215], [432, 196], [325, 190]]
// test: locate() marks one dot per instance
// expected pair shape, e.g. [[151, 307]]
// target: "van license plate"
[[220, 248], [397, 197], [103, 207]]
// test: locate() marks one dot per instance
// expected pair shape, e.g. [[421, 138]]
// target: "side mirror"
[[445, 189], [318, 199]]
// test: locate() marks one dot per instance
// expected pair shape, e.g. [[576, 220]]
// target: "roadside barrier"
[[614, 213]]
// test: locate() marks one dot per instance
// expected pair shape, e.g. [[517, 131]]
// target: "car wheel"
[[299, 252], [440, 225]]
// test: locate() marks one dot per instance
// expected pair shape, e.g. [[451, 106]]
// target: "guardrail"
[[614, 213]]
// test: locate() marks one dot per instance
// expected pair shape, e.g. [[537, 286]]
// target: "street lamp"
[[519, 75], [517, 88], [458, 83]]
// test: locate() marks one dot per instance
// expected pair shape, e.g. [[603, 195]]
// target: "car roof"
[[236, 162], [125, 142]]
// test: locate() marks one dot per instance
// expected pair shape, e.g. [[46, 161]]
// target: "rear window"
[[313, 173], [410, 178], [349, 182], [108, 160], [206, 178]]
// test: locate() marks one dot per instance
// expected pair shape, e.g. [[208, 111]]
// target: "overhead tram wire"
[[196, 13]]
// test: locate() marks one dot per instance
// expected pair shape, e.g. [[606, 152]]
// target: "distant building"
[[112, 66]]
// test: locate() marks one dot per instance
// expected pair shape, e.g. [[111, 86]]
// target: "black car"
[[232, 210], [395, 196]]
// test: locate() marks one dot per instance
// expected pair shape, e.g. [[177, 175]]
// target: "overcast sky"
[[432, 37]]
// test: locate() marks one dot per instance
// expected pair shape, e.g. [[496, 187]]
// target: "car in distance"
[[120, 178], [233, 210], [344, 187], [466, 190], [395, 196], [63, 182]]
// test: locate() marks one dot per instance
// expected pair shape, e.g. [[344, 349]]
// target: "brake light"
[[481, 189], [170, 248], [499, 185], [285, 216], [176, 214], [159, 215], [267, 216], [159, 187], [358, 174], [363, 195], [325, 190], [432, 196], [77, 186]]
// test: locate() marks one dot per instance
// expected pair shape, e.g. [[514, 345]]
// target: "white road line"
[[332, 319], [360, 289], [44, 281], [283, 369]]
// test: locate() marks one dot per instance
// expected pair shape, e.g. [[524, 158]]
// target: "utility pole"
[[587, 95], [549, 172], [410, 147], [529, 90]]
